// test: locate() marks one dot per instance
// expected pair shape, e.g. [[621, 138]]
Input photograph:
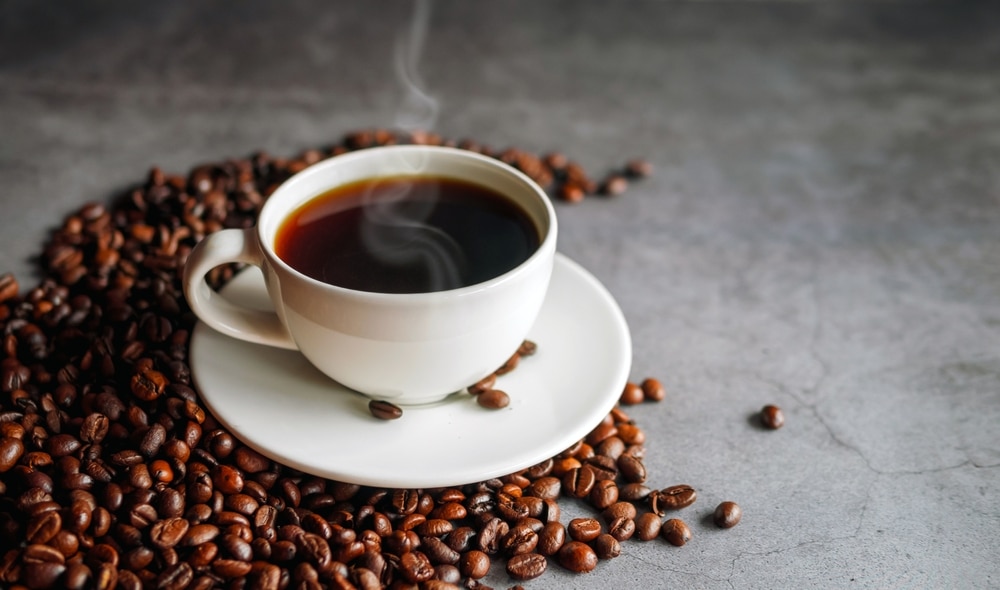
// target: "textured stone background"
[[821, 232]]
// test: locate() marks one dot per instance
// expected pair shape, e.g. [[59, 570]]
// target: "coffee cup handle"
[[238, 321]]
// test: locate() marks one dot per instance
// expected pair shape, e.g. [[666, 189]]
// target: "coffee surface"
[[407, 234]]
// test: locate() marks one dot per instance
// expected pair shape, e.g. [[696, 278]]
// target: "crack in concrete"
[[662, 567]]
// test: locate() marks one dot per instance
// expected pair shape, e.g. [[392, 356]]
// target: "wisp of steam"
[[394, 229]]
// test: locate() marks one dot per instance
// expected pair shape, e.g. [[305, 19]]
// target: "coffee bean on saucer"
[[483, 384], [493, 399], [384, 410], [527, 348], [772, 417], [727, 515], [510, 365]]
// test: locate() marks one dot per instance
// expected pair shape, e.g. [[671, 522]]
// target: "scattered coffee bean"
[[577, 557], [772, 417], [493, 399], [727, 515], [653, 390], [647, 526], [384, 410], [676, 532], [607, 546], [672, 498], [638, 168], [526, 566], [584, 529], [631, 395], [614, 185]]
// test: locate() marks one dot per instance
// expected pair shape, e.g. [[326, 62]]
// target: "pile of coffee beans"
[[114, 475]]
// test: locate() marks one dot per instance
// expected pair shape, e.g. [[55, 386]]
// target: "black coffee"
[[407, 234]]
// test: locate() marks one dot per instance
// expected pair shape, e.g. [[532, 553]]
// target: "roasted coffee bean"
[[8, 287], [620, 509], [577, 557], [607, 546], [415, 567], [727, 515], [461, 538], [772, 417], [176, 576], [676, 532], [94, 428], [148, 384], [168, 532], [603, 494], [545, 487], [490, 535], [611, 447], [653, 390], [622, 528], [551, 538], [474, 564], [672, 498], [438, 551], [584, 529], [632, 492], [493, 399], [647, 526], [578, 482], [384, 410], [526, 566], [631, 469], [43, 527], [638, 168], [484, 384], [520, 539], [614, 185]]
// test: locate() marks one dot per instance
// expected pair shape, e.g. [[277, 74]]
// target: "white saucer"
[[280, 405]]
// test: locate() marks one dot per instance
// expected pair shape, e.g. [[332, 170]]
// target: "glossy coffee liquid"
[[407, 234]]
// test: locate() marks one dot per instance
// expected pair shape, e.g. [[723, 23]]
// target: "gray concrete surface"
[[821, 232]]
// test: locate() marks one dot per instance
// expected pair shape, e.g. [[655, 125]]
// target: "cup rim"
[[545, 250]]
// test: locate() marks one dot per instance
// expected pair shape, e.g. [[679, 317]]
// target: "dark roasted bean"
[[631, 394], [607, 546], [647, 526], [384, 410], [577, 557], [676, 532], [493, 399], [474, 564], [727, 515], [622, 528], [772, 417], [526, 566], [551, 538], [584, 529], [672, 498], [604, 493], [653, 390]]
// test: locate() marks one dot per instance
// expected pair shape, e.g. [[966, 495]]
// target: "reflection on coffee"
[[407, 234]]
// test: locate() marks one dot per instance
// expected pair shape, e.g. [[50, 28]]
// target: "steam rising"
[[418, 110], [394, 228]]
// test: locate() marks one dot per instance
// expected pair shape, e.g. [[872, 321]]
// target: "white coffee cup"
[[408, 348]]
